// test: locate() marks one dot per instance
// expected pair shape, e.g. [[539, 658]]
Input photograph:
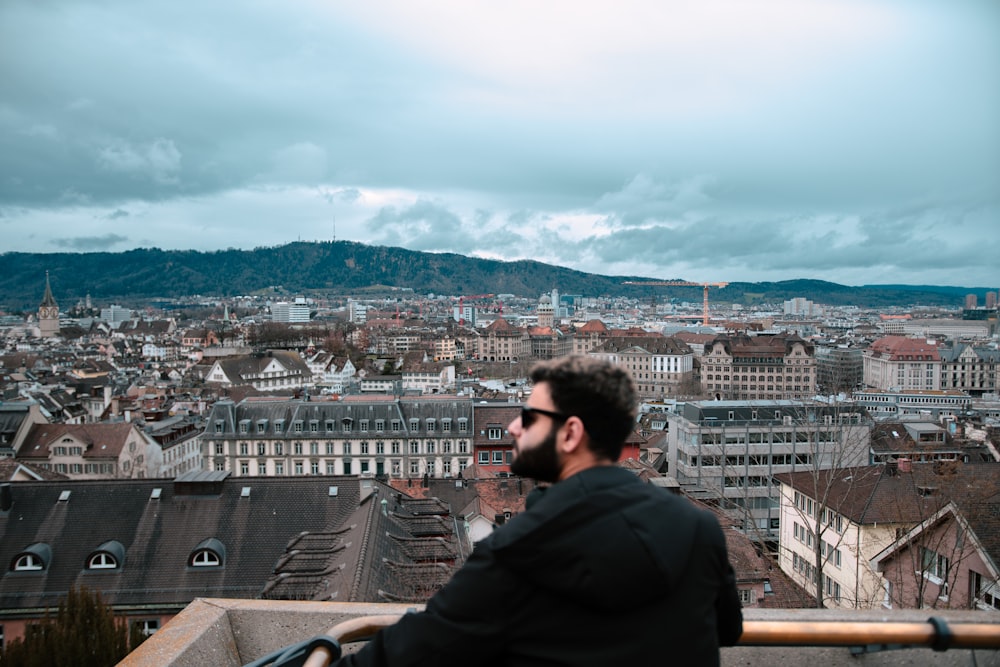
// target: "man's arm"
[[462, 622]]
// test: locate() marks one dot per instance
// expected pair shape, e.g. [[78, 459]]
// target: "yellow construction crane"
[[682, 283]]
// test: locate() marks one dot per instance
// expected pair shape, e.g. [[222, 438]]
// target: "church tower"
[[48, 313]]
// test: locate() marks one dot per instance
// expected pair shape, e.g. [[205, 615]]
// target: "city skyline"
[[853, 142]]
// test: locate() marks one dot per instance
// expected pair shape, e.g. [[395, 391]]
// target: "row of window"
[[347, 467], [346, 448], [740, 460], [111, 556], [346, 425]]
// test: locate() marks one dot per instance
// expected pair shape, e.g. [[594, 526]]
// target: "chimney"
[[905, 465], [6, 498]]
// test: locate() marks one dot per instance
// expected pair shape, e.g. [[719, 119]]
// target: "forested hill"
[[347, 267]]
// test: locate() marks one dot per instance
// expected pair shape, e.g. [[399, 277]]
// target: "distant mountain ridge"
[[339, 267]]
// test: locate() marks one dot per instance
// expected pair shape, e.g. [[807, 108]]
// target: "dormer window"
[[208, 553], [108, 556], [35, 558], [28, 562]]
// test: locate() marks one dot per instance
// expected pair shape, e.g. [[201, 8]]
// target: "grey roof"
[[159, 534]]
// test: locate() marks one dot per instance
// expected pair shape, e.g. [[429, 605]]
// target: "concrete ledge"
[[231, 633]]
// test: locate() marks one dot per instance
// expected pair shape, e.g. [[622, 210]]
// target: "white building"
[[296, 312]]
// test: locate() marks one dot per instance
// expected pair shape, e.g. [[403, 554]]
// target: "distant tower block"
[[48, 313]]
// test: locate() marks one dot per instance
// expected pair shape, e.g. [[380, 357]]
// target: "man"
[[601, 569]]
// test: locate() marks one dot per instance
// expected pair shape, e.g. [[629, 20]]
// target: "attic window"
[[333, 491], [208, 553], [64, 496], [155, 493], [33, 559], [27, 562], [109, 556], [245, 492]]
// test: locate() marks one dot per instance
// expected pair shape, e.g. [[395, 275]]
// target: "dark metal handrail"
[[934, 633]]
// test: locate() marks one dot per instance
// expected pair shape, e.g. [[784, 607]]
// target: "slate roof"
[[652, 344], [159, 534]]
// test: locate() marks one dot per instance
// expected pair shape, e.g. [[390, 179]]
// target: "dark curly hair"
[[600, 393]]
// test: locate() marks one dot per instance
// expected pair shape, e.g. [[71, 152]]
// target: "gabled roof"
[[891, 494], [98, 440]]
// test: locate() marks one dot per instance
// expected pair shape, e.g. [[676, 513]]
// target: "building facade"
[[730, 450], [762, 367], [374, 436], [660, 366], [897, 362]]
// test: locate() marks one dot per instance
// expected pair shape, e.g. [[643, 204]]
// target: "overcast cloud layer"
[[711, 140]]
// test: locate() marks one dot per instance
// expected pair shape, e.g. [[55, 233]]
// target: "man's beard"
[[540, 462]]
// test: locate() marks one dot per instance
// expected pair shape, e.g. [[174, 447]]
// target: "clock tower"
[[48, 313]]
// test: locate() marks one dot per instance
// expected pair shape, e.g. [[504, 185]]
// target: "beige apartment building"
[[761, 367]]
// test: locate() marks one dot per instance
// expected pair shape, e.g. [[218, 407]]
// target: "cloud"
[[159, 160], [91, 243], [424, 225]]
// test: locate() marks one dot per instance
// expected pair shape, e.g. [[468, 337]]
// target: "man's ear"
[[574, 435]]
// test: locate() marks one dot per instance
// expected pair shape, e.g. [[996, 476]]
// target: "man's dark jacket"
[[601, 570]]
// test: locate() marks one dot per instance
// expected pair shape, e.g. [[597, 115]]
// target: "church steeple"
[[48, 312], [48, 301]]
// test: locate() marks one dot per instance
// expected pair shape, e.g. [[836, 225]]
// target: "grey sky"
[[719, 140]]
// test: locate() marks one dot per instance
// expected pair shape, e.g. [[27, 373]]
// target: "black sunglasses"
[[530, 414]]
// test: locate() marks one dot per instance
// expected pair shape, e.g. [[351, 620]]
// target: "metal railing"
[[935, 633]]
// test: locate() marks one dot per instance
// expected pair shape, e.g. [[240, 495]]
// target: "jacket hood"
[[601, 537]]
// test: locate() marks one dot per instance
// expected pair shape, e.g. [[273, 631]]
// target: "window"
[[935, 565], [364, 447], [147, 626], [279, 449], [484, 458], [414, 447], [497, 457], [208, 553], [297, 448], [463, 446], [495, 433], [262, 469], [747, 596], [431, 447], [380, 425], [102, 561], [244, 448], [261, 449], [364, 426], [244, 468], [463, 425], [28, 562], [205, 558], [220, 449], [299, 469], [298, 426], [279, 467], [330, 468], [347, 426], [414, 467]]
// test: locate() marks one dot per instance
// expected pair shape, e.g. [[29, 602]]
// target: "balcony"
[[231, 633]]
